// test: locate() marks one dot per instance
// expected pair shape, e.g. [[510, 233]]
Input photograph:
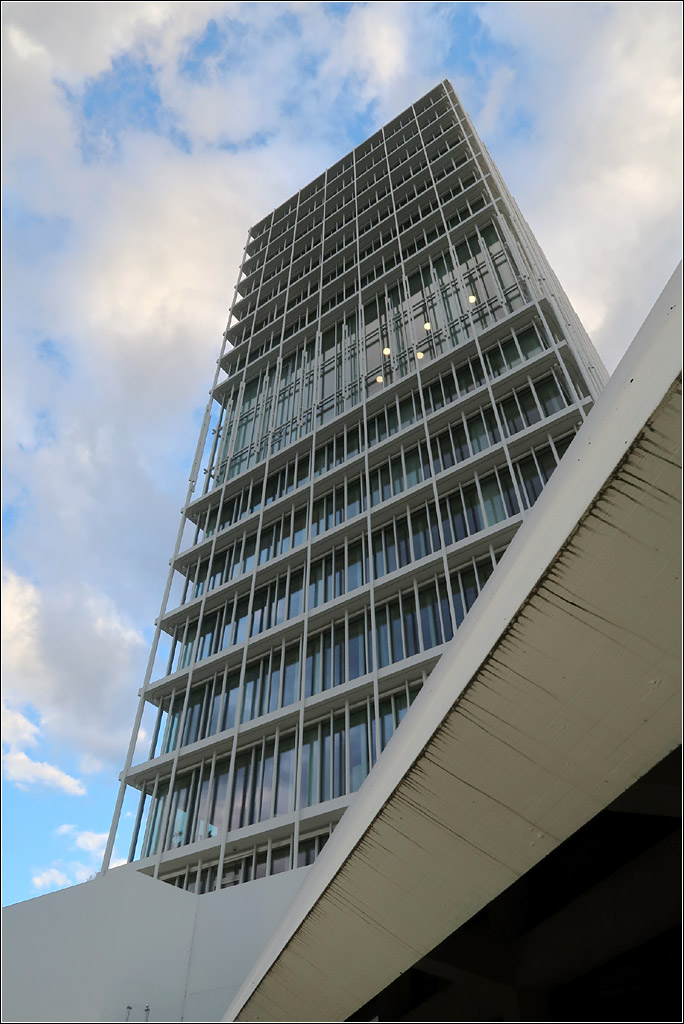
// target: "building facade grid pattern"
[[405, 374]]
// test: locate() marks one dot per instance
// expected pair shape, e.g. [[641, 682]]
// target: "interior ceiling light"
[[471, 299], [426, 325], [387, 351], [379, 378], [419, 355]]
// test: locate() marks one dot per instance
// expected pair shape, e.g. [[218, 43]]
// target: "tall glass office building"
[[401, 374]]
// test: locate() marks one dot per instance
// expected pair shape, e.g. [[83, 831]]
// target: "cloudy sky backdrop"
[[140, 142]]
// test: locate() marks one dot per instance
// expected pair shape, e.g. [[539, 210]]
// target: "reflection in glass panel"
[[529, 343], [382, 637], [158, 806], [529, 476], [266, 793], [355, 565], [295, 606], [419, 530], [512, 416], [291, 675], [493, 502], [358, 748], [260, 866], [429, 617], [410, 624], [395, 631], [469, 581], [403, 547], [478, 433], [353, 498], [310, 780], [529, 407], [217, 804], [339, 786], [459, 609], [231, 700], [549, 396], [473, 511], [280, 859], [357, 647]]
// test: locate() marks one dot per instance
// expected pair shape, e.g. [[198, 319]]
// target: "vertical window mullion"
[[136, 825], [517, 344], [476, 480], [542, 413], [347, 751], [464, 424]]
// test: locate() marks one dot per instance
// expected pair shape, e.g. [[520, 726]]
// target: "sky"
[[141, 140]]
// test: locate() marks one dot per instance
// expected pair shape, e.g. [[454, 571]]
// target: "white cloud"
[[61, 874], [377, 44], [69, 655], [22, 45], [17, 730], [82, 873], [599, 178], [72, 872], [50, 878], [502, 82], [82, 38], [20, 608], [90, 765], [91, 842], [20, 769]]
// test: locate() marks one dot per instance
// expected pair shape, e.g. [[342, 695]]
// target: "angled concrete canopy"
[[558, 692]]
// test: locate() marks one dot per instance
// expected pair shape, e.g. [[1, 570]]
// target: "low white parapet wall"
[[127, 947]]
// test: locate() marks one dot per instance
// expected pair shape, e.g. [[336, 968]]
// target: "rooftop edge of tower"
[[256, 230]]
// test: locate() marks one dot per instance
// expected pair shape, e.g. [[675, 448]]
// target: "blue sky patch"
[[49, 352], [27, 233], [44, 432], [121, 100], [10, 517], [209, 44], [253, 142]]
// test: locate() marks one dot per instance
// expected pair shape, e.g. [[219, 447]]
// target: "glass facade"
[[401, 375]]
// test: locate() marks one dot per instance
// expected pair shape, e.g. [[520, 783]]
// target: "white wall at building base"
[[108, 949]]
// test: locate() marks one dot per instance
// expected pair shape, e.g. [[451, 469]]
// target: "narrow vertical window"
[[403, 546], [266, 794], [378, 555], [339, 784], [291, 675], [408, 603], [296, 594], [470, 588], [357, 647], [429, 617], [355, 566], [358, 749], [284, 799], [395, 631], [473, 509], [310, 783], [382, 637], [230, 705], [338, 656], [493, 502]]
